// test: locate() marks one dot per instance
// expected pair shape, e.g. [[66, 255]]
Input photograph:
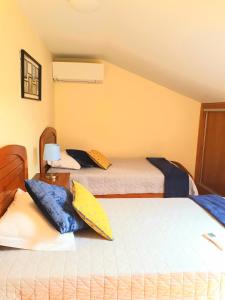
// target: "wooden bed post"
[[48, 136]]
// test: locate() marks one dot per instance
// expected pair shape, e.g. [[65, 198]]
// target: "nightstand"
[[62, 179]]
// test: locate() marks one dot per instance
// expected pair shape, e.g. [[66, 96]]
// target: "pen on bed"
[[212, 238]]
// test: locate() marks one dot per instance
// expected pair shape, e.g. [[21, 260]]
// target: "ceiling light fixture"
[[85, 5]]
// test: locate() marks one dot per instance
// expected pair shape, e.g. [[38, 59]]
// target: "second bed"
[[126, 178]]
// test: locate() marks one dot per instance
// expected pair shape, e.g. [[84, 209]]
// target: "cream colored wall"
[[127, 116], [22, 121]]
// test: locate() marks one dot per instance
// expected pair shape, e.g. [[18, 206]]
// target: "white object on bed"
[[158, 252], [124, 176], [24, 226], [216, 240], [66, 162]]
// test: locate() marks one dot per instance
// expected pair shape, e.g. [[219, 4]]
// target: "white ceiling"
[[177, 43]]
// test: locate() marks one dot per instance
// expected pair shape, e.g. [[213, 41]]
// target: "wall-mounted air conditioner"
[[78, 71]]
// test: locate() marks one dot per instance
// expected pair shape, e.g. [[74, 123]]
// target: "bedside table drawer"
[[62, 179]]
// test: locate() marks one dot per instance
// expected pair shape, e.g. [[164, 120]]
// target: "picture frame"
[[31, 76]]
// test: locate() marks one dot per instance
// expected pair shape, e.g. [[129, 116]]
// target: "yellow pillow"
[[99, 159], [91, 211]]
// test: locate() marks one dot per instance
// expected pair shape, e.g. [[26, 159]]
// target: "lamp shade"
[[51, 152]]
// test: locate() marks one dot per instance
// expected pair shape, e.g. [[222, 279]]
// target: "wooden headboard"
[[13, 172], [48, 136]]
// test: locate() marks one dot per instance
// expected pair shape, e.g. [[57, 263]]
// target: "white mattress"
[[158, 252], [125, 176]]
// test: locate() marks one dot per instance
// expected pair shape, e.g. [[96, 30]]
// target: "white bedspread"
[[125, 176], [158, 252]]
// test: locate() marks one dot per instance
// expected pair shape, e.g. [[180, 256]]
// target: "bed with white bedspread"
[[125, 176], [158, 252]]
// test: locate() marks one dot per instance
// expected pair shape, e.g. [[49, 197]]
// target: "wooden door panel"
[[213, 164], [210, 161]]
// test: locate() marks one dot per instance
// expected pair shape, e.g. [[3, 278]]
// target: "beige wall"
[[22, 121], [127, 116]]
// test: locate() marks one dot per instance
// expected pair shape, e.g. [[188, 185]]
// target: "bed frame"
[[13, 172], [49, 135]]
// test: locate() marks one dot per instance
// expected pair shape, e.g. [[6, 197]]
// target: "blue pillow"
[[56, 204], [82, 158]]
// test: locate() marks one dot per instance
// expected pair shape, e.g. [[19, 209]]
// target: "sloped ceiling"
[[177, 43]]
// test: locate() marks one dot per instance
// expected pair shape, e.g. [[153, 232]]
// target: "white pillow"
[[24, 226], [66, 162]]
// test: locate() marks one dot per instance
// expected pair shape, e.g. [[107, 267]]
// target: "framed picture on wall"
[[30, 77]]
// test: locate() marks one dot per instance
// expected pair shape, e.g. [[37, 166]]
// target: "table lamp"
[[51, 153]]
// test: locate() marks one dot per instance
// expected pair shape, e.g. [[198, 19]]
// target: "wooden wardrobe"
[[210, 162]]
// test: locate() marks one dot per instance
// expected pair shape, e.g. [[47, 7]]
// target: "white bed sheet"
[[158, 252], [125, 176]]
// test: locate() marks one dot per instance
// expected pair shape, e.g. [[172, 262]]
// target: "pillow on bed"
[[23, 226], [66, 162], [100, 159], [56, 204], [91, 211], [82, 157]]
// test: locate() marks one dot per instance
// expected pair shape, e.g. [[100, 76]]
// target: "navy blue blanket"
[[214, 204], [176, 180]]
